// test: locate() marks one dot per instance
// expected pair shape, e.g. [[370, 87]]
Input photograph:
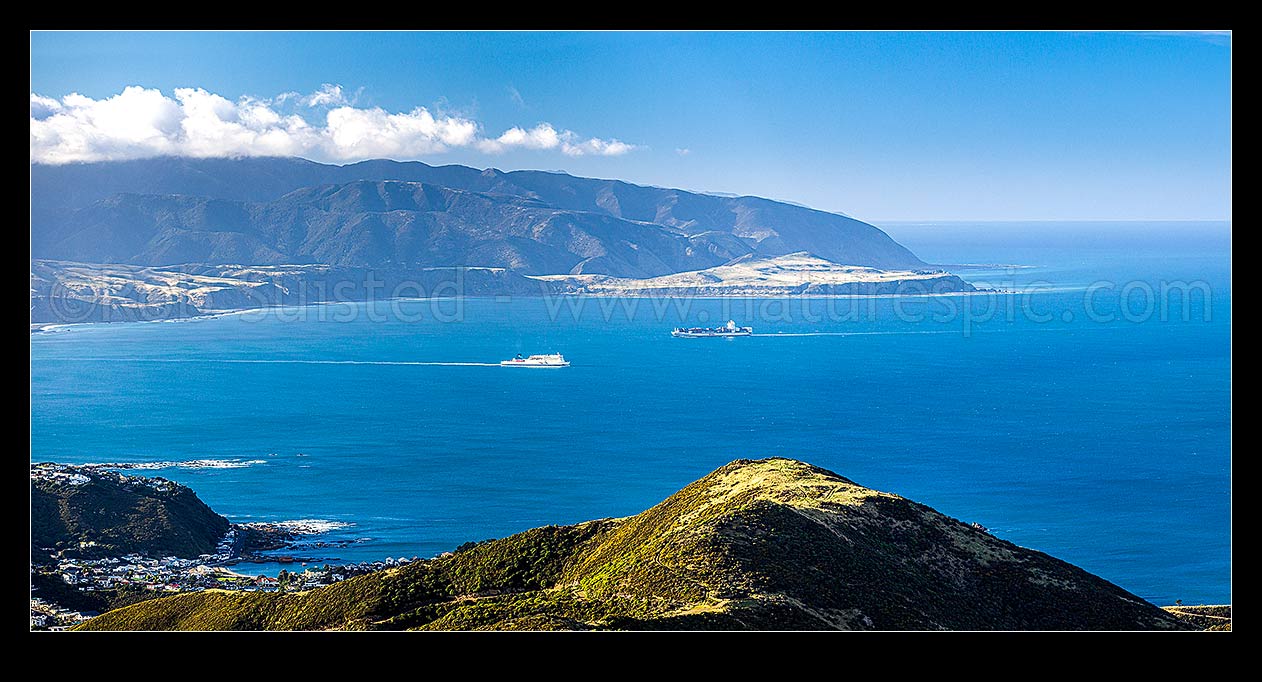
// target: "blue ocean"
[[1085, 411]]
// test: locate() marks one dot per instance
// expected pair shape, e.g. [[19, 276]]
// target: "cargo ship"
[[728, 330]]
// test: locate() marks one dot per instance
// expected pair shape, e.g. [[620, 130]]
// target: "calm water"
[[1105, 441]]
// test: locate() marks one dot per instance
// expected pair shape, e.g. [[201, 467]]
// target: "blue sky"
[[881, 126]]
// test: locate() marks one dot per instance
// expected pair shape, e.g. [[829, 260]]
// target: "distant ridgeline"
[[89, 512], [165, 226], [757, 544]]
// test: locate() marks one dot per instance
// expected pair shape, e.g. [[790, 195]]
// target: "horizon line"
[[936, 221]]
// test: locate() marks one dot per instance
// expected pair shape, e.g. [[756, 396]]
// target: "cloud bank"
[[143, 122]]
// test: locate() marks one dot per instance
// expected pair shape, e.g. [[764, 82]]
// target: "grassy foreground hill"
[[757, 544], [93, 512], [1215, 617]]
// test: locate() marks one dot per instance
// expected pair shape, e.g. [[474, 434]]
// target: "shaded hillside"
[[75, 185], [89, 512], [384, 224], [757, 544], [272, 211]]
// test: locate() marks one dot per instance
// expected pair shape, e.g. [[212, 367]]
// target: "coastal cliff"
[[757, 544], [92, 512]]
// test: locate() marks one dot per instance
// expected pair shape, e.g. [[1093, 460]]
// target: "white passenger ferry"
[[552, 360]]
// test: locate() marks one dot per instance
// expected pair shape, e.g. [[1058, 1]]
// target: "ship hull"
[[708, 335], [509, 363], [542, 360]]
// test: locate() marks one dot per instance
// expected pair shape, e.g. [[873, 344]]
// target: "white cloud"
[[43, 107], [596, 146], [290, 96], [374, 133], [544, 136], [327, 95], [683, 151], [132, 124], [142, 122]]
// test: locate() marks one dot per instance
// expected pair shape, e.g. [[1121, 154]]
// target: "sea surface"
[[1085, 413]]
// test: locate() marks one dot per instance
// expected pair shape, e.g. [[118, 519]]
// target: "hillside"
[[64, 291], [793, 274], [757, 544], [90, 512], [84, 292], [258, 211], [1216, 617]]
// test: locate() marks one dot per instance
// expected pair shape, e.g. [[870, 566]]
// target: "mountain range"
[[271, 211]]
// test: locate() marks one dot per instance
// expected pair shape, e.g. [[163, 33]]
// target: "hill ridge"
[[90, 512], [259, 211], [766, 544]]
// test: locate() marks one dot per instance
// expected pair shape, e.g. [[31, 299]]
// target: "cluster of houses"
[[224, 549], [57, 473], [350, 570], [173, 574], [168, 573], [327, 575], [46, 616], [80, 475]]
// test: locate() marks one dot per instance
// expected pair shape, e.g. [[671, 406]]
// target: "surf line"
[[296, 362], [937, 331], [943, 331]]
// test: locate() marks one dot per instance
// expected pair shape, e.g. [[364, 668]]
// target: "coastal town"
[[60, 579], [51, 472], [172, 575], [136, 573]]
